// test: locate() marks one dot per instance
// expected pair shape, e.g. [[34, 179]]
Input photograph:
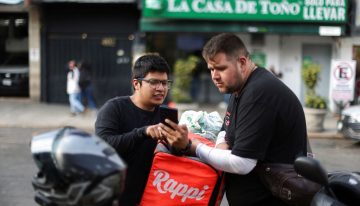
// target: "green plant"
[[315, 101], [183, 69], [310, 75]]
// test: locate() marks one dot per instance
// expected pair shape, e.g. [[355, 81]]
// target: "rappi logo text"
[[164, 184]]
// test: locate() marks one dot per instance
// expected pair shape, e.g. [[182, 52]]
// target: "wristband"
[[187, 148]]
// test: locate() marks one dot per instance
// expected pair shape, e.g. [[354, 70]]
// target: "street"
[[17, 166], [337, 154]]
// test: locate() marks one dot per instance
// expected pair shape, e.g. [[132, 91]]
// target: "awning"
[[83, 1], [12, 6], [12, 2], [157, 25]]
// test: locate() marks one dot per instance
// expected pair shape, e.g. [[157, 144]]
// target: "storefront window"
[[13, 40]]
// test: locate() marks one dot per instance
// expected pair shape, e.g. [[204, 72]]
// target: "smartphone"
[[168, 113]]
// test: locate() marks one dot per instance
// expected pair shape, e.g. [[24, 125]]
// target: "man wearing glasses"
[[129, 123]]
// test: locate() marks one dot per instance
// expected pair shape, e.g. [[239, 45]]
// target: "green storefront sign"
[[328, 11]]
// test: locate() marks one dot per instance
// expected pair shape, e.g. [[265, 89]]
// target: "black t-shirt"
[[122, 125], [264, 122], [84, 79]]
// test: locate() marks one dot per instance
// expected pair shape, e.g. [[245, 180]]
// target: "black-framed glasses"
[[155, 83]]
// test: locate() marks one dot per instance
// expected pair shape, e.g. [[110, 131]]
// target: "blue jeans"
[[87, 94], [75, 103]]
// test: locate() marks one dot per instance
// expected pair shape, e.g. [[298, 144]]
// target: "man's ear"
[[136, 84], [242, 60], [242, 63]]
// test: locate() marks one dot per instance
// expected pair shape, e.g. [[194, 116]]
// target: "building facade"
[[279, 34], [100, 33], [110, 34]]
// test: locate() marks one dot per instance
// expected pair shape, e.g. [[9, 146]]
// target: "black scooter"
[[338, 188]]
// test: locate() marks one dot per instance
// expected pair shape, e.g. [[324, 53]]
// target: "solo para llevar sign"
[[327, 11]]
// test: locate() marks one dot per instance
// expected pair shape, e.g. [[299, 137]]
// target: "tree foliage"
[[183, 69]]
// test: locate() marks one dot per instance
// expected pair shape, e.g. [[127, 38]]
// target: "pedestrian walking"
[[86, 86], [73, 89]]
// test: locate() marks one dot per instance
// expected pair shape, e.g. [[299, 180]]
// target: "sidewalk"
[[23, 112], [330, 128]]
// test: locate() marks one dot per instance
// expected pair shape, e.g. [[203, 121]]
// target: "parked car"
[[14, 80], [349, 124]]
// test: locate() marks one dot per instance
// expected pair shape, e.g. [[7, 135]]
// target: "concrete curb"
[[326, 134], [25, 113]]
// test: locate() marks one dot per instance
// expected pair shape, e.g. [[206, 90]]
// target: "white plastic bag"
[[202, 123]]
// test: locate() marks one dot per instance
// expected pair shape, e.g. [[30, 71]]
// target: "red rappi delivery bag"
[[180, 180]]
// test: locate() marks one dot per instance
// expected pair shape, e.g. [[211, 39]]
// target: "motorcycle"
[[340, 188]]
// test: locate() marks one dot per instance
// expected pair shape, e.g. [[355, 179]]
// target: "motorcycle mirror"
[[311, 169]]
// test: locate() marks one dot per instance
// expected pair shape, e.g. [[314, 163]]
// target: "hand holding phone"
[[168, 113]]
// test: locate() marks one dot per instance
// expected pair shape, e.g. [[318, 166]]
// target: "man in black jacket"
[[129, 123]]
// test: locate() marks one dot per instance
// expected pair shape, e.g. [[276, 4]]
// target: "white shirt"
[[73, 81], [223, 159]]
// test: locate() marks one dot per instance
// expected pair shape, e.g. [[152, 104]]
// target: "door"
[[108, 55], [101, 34]]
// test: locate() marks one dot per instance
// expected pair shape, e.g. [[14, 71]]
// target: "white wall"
[[270, 48], [34, 53], [345, 47], [290, 62], [291, 58], [272, 45], [284, 52]]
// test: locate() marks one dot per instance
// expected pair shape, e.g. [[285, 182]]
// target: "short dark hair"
[[149, 63], [227, 43]]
